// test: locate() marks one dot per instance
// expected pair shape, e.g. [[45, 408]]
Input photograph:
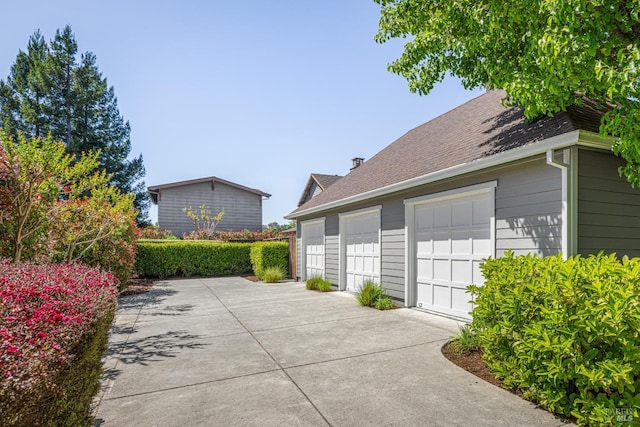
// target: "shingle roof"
[[479, 128], [323, 181], [154, 189]]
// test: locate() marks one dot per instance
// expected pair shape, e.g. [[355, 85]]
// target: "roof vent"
[[357, 162]]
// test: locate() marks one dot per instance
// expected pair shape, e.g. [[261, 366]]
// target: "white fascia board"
[[576, 137]]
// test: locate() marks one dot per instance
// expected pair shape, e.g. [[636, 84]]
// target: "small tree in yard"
[[56, 207], [204, 223], [34, 176]]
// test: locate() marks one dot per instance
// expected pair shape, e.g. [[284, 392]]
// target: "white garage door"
[[452, 236], [361, 234], [313, 248]]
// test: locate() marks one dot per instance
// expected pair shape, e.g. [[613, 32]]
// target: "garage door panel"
[[313, 240], [425, 292], [461, 242], [424, 243], [452, 236], [476, 274], [481, 211], [461, 271], [481, 246], [424, 269], [460, 300], [461, 213], [442, 242], [441, 269], [441, 296], [424, 217], [442, 216], [362, 249]]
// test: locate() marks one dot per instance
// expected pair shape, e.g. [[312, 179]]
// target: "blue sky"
[[256, 92]]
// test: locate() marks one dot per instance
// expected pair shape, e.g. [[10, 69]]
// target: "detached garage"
[[420, 215]]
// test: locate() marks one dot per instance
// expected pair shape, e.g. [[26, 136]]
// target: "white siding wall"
[[243, 210]]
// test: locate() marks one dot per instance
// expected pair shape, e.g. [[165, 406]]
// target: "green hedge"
[[565, 333], [208, 258], [269, 254]]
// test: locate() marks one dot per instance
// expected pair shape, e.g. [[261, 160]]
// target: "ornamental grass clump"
[[272, 274], [54, 322], [312, 283], [372, 294], [323, 285], [317, 283]]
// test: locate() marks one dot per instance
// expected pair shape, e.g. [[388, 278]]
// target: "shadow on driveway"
[[149, 349]]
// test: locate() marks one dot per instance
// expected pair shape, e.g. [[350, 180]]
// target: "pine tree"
[[24, 96], [48, 90]]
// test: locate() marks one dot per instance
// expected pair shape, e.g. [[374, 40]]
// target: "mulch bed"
[[137, 286], [471, 361]]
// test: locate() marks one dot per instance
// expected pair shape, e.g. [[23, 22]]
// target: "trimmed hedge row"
[[167, 258], [54, 325], [265, 255], [565, 333], [185, 258]]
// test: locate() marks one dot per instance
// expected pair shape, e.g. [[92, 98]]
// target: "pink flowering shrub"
[[46, 312]]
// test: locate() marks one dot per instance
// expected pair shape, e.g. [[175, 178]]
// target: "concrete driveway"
[[226, 351]]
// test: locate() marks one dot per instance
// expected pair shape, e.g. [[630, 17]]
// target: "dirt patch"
[[137, 286], [471, 361], [252, 278]]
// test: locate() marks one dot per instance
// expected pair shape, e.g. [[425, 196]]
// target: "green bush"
[[272, 274], [369, 293], [269, 254], [208, 258], [565, 333]]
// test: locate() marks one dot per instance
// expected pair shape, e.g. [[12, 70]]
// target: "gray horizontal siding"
[[393, 262], [528, 218], [331, 260], [608, 207], [243, 210], [529, 209], [332, 249], [392, 255]]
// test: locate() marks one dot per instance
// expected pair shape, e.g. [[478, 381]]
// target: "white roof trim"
[[576, 137]]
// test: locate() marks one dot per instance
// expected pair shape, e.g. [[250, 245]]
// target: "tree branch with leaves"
[[547, 55]]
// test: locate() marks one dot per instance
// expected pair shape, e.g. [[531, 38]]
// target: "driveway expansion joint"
[[281, 368]]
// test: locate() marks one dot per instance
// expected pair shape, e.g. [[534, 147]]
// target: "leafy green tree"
[[35, 174], [49, 90], [58, 207], [547, 55]]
